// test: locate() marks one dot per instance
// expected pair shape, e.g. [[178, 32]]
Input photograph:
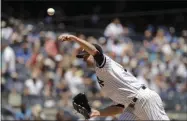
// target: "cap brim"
[[82, 54]]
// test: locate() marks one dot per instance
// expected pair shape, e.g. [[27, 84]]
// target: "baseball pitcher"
[[120, 86]]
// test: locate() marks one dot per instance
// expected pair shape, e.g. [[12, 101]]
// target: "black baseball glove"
[[81, 105]]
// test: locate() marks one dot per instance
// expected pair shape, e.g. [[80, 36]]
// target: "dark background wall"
[[78, 13], [37, 8]]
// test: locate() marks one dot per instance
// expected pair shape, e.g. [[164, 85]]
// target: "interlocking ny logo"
[[101, 83]]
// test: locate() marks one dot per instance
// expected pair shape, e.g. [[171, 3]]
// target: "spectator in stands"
[[8, 58], [64, 115], [184, 36], [34, 85], [172, 35], [37, 112], [182, 68], [60, 116], [63, 91], [23, 54], [6, 31], [160, 37], [35, 55], [148, 37], [49, 84], [8, 64], [50, 45], [77, 84], [114, 29], [15, 83], [24, 113], [14, 98]]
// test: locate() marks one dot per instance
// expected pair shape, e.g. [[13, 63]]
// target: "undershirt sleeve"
[[99, 58]]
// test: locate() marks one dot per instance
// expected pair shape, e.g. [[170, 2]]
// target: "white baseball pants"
[[148, 107]]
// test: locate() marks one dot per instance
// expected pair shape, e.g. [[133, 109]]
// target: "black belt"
[[135, 99]]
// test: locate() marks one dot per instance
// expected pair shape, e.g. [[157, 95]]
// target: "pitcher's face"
[[89, 61]]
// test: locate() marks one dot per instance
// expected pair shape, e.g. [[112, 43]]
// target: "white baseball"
[[50, 11]]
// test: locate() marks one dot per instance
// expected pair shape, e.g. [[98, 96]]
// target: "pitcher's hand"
[[94, 113], [67, 37]]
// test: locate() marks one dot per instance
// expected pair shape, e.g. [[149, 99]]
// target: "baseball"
[[50, 11]]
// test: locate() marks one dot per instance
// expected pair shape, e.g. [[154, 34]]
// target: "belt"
[[132, 104]]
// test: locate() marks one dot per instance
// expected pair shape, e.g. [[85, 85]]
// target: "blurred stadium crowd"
[[38, 72]]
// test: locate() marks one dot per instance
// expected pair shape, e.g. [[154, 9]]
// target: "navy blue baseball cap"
[[82, 54]]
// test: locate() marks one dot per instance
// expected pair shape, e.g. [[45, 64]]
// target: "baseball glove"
[[81, 105]]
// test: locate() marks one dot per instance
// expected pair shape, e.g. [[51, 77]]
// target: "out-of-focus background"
[[41, 75]]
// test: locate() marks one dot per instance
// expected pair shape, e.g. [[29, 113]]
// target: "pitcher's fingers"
[[60, 37], [93, 115]]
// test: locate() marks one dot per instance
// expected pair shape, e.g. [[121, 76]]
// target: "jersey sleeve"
[[102, 60]]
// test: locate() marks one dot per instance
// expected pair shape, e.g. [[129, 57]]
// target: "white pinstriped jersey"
[[121, 86], [117, 83]]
